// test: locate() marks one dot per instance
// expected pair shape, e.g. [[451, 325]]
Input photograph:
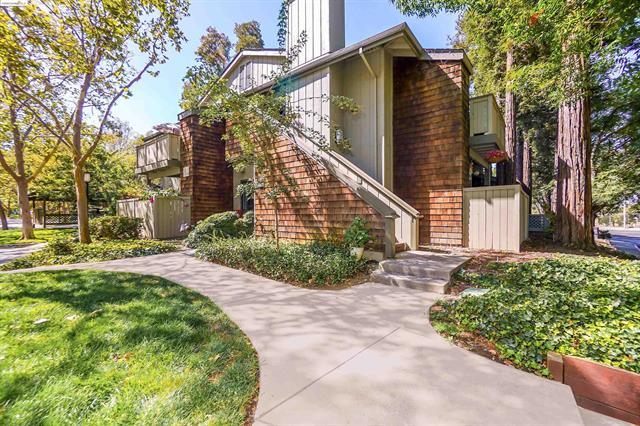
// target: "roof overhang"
[[449, 55], [401, 31]]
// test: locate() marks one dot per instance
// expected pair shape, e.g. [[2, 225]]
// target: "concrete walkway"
[[364, 355], [12, 252]]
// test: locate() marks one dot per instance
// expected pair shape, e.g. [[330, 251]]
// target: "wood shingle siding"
[[430, 143], [321, 207], [206, 177]]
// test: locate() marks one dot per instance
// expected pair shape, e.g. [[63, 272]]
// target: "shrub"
[[583, 306], [314, 263], [220, 225], [115, 227], [71, 252], [61, 245], [357, 234], [244, 225]]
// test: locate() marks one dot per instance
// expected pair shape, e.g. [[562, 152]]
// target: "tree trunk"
[[574, 221], [277, 217], [3, 217], [25, 213], [526, 172], [82, 204], [510, 125]]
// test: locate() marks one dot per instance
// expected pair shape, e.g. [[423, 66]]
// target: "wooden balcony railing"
[[487, 124], [159, 152]]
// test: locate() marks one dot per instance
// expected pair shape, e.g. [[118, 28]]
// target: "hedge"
[[220, 225], [115, 227]]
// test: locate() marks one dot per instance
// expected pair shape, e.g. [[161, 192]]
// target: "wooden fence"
[[495, 217], [164, 218]]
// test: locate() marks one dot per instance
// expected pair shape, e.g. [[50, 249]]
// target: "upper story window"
[[249, 75], [242, 83]]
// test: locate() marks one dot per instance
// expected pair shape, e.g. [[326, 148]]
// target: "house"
[[416, 168]]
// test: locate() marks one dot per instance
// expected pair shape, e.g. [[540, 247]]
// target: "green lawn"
[[576, 305], [12, 236], [88, 347]]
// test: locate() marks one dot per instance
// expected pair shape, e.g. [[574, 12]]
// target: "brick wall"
[[320, 207], [431, 144], [210, 179]]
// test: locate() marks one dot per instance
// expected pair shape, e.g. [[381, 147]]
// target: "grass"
[[576, 305], [67, 252], [88, 347], [12, 236]]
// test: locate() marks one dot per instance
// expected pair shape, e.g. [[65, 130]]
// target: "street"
[[626, 240]]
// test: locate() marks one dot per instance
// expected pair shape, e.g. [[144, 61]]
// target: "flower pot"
[[357, 252]]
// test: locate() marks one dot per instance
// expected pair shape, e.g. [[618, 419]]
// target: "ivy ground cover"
[[582, 306], [88, 347], [64, 252]]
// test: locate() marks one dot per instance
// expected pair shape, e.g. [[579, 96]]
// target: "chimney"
[[323, 23]]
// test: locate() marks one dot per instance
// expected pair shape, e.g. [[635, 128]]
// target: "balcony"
[[159, 153], [487, 125]]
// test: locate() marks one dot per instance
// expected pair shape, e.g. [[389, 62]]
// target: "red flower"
[[496, 156]]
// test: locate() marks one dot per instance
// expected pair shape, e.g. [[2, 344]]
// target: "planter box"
[[599, 387]]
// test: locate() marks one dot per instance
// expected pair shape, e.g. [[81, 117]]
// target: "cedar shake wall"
[[210, 180], [321, 207], [431, 144]]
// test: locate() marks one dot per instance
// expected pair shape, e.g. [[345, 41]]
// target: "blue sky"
[[155, 100]]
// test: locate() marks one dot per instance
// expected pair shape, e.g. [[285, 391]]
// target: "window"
[[246, 201]]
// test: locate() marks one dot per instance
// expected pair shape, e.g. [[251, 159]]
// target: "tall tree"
[[510, 136], [19, 135], [482, 32], [576, 39], [248, 36], [212, 55], [86, 49]]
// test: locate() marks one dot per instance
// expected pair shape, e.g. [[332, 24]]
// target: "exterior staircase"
[[419, 270]]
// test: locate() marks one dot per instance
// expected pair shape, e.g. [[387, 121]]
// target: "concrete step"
[[416, 268], [419, 270], [434, 285]]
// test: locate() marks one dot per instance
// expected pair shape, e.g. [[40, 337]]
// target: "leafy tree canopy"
[[248, 36]]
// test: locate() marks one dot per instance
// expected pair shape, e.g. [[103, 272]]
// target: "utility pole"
[[624, 214]]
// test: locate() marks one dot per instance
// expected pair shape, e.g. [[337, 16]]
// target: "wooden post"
[[555, 365]]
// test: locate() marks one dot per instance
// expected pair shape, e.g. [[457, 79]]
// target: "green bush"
[[357, 234], [60, 246], [70, 252], [583, 306], [220, 225], [115, 228], [315, 263]]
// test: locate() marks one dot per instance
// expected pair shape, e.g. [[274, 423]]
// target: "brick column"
[[431, 144], [206, 176]]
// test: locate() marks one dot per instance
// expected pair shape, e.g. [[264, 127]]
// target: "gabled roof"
[[393, 33], [251, 53]]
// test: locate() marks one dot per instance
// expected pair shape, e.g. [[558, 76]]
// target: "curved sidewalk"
[[364, 355]]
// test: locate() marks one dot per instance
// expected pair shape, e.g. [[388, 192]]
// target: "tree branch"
[[44, 162], [107, 112]]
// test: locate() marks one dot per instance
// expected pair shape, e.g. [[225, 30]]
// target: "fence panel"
[[164, 218], [495, 217]]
